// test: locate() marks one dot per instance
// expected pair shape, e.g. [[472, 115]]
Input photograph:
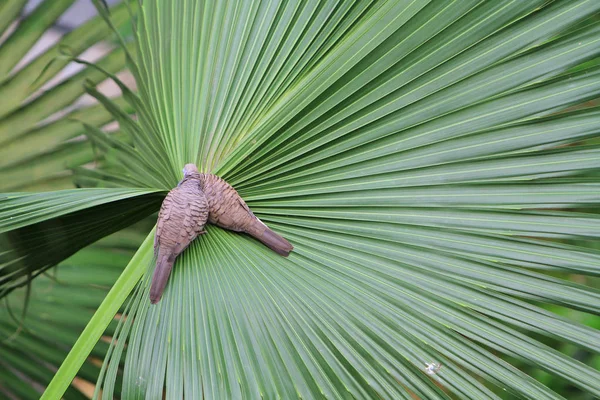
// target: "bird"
[[228, 210], [182, 217]]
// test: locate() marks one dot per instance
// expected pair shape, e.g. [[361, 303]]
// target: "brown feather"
[[228, 210], [181, 219]]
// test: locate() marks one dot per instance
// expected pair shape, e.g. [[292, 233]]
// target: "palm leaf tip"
[[50, 227]]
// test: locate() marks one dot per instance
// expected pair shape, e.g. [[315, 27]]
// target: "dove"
[[181, 219], [229, 211]]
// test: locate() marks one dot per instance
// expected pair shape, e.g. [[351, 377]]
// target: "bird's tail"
[[270, 239], [164, 265]]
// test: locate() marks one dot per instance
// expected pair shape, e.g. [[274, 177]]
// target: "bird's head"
[[189, 169]]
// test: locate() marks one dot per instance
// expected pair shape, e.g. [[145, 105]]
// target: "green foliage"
[[41, 142], [425, 160], [59, 305], [40, 230], [36, 124], [37, 147]]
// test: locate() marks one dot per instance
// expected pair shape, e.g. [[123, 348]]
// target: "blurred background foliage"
[[42, 143]]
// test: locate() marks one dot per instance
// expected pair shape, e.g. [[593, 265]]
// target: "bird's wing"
[[163, 216], [244, 205], [195, 217]]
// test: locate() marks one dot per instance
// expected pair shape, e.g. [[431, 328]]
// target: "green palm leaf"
[[37, 150], [41, 143], [58, 306], [39, 230], [422, 159], [37, 122]]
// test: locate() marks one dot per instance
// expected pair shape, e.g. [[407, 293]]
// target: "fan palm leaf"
[[36, 103], [423, 159]]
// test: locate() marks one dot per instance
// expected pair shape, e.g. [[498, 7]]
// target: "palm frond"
[[39, 230], [37, 124], [424, 159], [35, 341]]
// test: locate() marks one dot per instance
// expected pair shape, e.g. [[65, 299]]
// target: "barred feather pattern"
[[181, 219], [228, 210]]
